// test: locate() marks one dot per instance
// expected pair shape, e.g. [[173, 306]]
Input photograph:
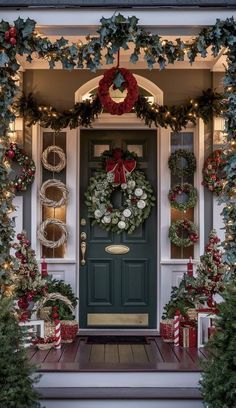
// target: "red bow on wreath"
[[119, 167]]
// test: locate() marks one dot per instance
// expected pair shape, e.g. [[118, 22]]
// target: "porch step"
[[85, 393]]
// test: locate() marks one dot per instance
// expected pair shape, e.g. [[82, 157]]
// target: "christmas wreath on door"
[[120, 172]]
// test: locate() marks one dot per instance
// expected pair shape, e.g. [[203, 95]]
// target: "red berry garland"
[[26, 176], [129, 83], [10, 36], [212, 172]]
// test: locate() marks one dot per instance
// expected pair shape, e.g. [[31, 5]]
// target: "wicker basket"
[[44, 312], [167, 330], [45, 346], [69, 330]]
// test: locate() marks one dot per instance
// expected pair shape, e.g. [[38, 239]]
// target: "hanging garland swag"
[[27, 166], [42, 233], [212, 172], [177, 231], [62, 159], [176, 166], [138, 196], [56, 184], [177, 191]]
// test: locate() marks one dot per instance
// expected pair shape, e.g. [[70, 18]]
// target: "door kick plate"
[[117, 249]]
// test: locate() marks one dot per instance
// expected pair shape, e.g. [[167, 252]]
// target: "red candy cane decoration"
[[57, 334], [176, 327]]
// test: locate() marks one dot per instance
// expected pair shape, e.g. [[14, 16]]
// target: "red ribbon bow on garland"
[[119, 167]]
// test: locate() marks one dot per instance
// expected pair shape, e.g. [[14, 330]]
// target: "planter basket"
[[167, 330], [45, 346], [69, 330]]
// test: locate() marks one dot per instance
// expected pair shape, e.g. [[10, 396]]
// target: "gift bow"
[[120, 167]]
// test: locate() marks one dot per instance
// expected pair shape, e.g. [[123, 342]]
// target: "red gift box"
[[188, 336]]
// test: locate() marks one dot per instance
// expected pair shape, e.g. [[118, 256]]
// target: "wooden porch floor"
[[153, 356]]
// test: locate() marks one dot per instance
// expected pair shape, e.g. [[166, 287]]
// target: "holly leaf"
[[29, 58], [134, 58], [118, 80], [4, 59], [19, 24], [28, 28], [62, 42]]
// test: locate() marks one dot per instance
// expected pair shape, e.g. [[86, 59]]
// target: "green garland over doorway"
[[114, 34], [84, 113]]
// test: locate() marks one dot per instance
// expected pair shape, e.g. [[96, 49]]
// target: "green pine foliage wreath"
[[179, 229], [176, 165], [178, 190], [138, 200]]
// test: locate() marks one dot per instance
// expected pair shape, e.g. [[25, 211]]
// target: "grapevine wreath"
[[179, 190], [138, 197], [176, 165], [212, 172], [26, 175], [177, 231], [119, 78]]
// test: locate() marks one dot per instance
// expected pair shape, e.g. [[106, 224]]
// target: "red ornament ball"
[[23, 303], [11, 154]]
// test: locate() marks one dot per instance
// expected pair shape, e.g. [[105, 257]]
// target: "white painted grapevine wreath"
[[42, 234], [138, 199], [60, 153], [59, 186]]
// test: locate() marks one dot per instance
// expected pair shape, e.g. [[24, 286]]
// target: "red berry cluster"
[[55, 314], [193, 236], [11, 35]]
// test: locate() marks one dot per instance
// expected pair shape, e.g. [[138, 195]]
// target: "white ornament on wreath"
[[42, 234], [134, 209], [59, 186], [60, 153]]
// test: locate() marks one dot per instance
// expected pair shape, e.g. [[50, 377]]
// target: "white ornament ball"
[[138, 192], [144, 196], [127, 213], [97, 214], [131, 184], [107, 220], [141, 204], [121, 224], [123, 186]]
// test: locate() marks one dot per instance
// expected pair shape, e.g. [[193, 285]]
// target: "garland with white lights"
[[84, 113]]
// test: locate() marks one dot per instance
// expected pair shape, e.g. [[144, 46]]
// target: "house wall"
[[57, 88]]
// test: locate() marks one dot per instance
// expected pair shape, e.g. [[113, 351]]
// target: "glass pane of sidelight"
[[182, 140], [98, 149], [138, 149], [52, 232]]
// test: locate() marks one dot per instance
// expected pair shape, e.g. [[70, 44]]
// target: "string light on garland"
[[84, 113]]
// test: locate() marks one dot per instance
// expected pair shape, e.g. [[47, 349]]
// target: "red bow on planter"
[[119, 167]]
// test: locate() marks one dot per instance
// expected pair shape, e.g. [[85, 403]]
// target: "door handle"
[[83, 248]]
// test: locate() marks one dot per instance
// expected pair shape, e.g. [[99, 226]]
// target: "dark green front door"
[[118, 290]]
